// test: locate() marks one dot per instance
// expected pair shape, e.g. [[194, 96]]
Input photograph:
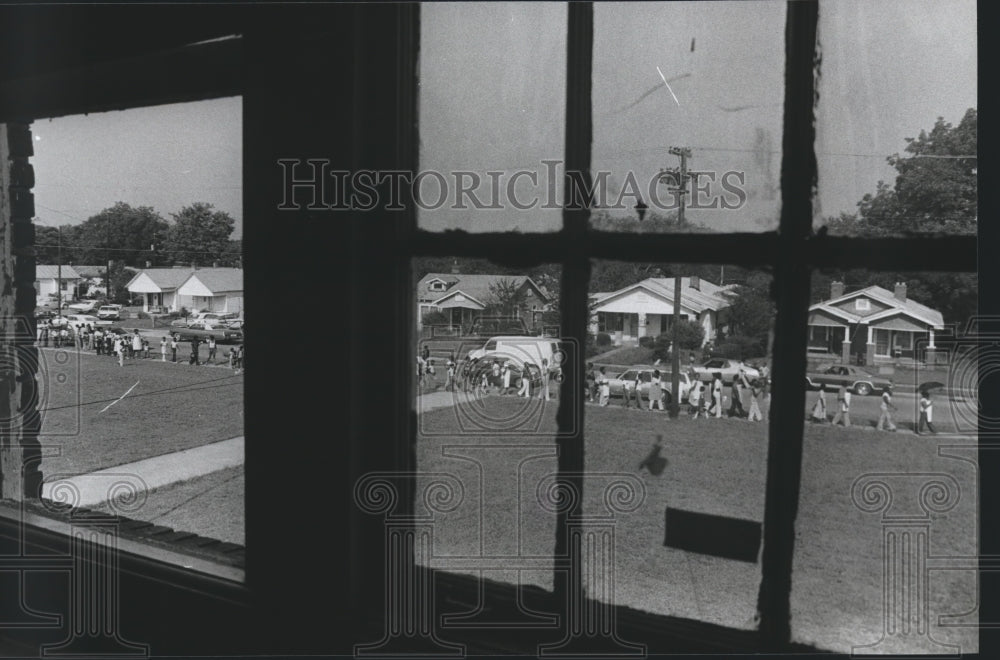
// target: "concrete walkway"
[[96, 488]]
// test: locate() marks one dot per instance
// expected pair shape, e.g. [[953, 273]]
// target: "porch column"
[[641, 330], [870, 348], [930, 338], [845, 346], [930, 354]]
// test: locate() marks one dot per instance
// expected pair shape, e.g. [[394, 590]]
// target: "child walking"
[[655, 392], [926, 412], [819, 408], [885, 418]]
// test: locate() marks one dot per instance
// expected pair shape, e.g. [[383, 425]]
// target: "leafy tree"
[[506, 298], [121, 232], [199, 235], [751, 312], [690, 336]]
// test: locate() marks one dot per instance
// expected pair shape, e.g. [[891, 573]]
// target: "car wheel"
[[862, 389]]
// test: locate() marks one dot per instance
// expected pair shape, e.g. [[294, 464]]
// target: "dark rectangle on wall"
[[707, 534]]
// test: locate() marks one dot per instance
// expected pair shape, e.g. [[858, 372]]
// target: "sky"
[[167, 157], [492, 97]]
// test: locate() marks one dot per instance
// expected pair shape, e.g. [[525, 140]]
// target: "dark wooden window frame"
[[791, 253]]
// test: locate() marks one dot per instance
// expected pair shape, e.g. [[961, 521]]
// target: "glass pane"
[[703, 76], [138, 237], [492, 115], [688, 543], [487, 383], [896, 125], [864, 405]]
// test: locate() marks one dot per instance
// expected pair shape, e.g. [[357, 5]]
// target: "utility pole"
[[59, 276], [680, 175]]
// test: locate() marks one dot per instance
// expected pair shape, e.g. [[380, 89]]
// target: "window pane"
[[896, 127], [723, 63], [138, 229], [492, 115], [914, 334], [487, 354], [697, 474]]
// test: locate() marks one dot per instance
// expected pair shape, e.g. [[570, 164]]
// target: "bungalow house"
[[51, 279], [873, 323], [463, 298], [646, 309], [158, 287], [213, 289], [92, 277]]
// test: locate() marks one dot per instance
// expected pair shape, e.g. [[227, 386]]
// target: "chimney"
[[148, 264], [836, 289], [695, 283], [215, 264], [454, 267], [900, 291], [194, 266]]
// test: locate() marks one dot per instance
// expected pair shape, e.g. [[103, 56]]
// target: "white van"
[[518, 350]]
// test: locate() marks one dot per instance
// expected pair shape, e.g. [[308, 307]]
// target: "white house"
[[158, 287], [873, 322], [214, 289], [646, 309], [50, 279]]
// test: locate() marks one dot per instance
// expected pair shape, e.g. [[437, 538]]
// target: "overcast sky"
[[492, 97], [493, 94], [166, 157]]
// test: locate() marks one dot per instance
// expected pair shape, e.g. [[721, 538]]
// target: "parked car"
[[84, 319], [626, 380], [857, 380], [222, 335], [42, 314], [728, 369], [491, 326], [110, 313], [85, 306]]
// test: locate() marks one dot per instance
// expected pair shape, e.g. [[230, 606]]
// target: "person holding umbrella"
[[926, 411]]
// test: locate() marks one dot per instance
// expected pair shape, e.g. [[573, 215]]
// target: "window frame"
[[793, 252]]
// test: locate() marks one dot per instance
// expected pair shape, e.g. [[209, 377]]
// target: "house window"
[[903, 340], [862, 305], [437, 285]]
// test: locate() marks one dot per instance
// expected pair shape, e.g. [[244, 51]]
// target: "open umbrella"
[[930, 385]]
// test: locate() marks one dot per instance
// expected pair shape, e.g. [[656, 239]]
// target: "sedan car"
[[728, 369], [857, 380], [222, 335], [109, 312], [84, 306], [626, 380]]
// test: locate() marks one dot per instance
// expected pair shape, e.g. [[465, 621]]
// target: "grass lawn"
[[173, 407], [717, 467]]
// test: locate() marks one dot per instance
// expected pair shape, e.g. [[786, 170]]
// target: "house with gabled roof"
[[158, 287], [214, 290], [873, 325], [463, 297], [646, 308], [52, 279]]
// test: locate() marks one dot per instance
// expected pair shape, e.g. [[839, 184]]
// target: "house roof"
[[476, 287], [164, 278], [46, 272], [706, 296], [910, 307], [218, 280], [90, 271]]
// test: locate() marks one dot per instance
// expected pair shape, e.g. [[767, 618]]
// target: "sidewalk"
[[96, 488]]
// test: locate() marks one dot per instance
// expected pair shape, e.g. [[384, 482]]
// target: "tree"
[[751, 312], [121, 233], [507, 297], [690, 336], [199, 235]]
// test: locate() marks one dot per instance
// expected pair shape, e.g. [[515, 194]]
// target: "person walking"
[[525, 389], [843, 407], [543, 388], [120, 345], [655, 391], [506, 374], [818, 413], [173, 348], [194, 352], [885, 417], [736, 394], [212, 348], [591, 382], [756, 395], [605, 387], [145, 348], [926, 412], [136, 345], [694, 399], [449, 385], [495, 372], [163, 349], [716, 396]]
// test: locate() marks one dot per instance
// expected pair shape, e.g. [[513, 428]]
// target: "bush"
[[143, 315], [738, 347], [436, 317], [646, 342], [603, 339]]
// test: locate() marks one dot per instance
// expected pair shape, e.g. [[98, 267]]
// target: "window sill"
[[150, 551]]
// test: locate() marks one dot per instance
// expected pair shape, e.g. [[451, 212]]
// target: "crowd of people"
[[704, 399], [131, 346], [842, 414], [495, 377]]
